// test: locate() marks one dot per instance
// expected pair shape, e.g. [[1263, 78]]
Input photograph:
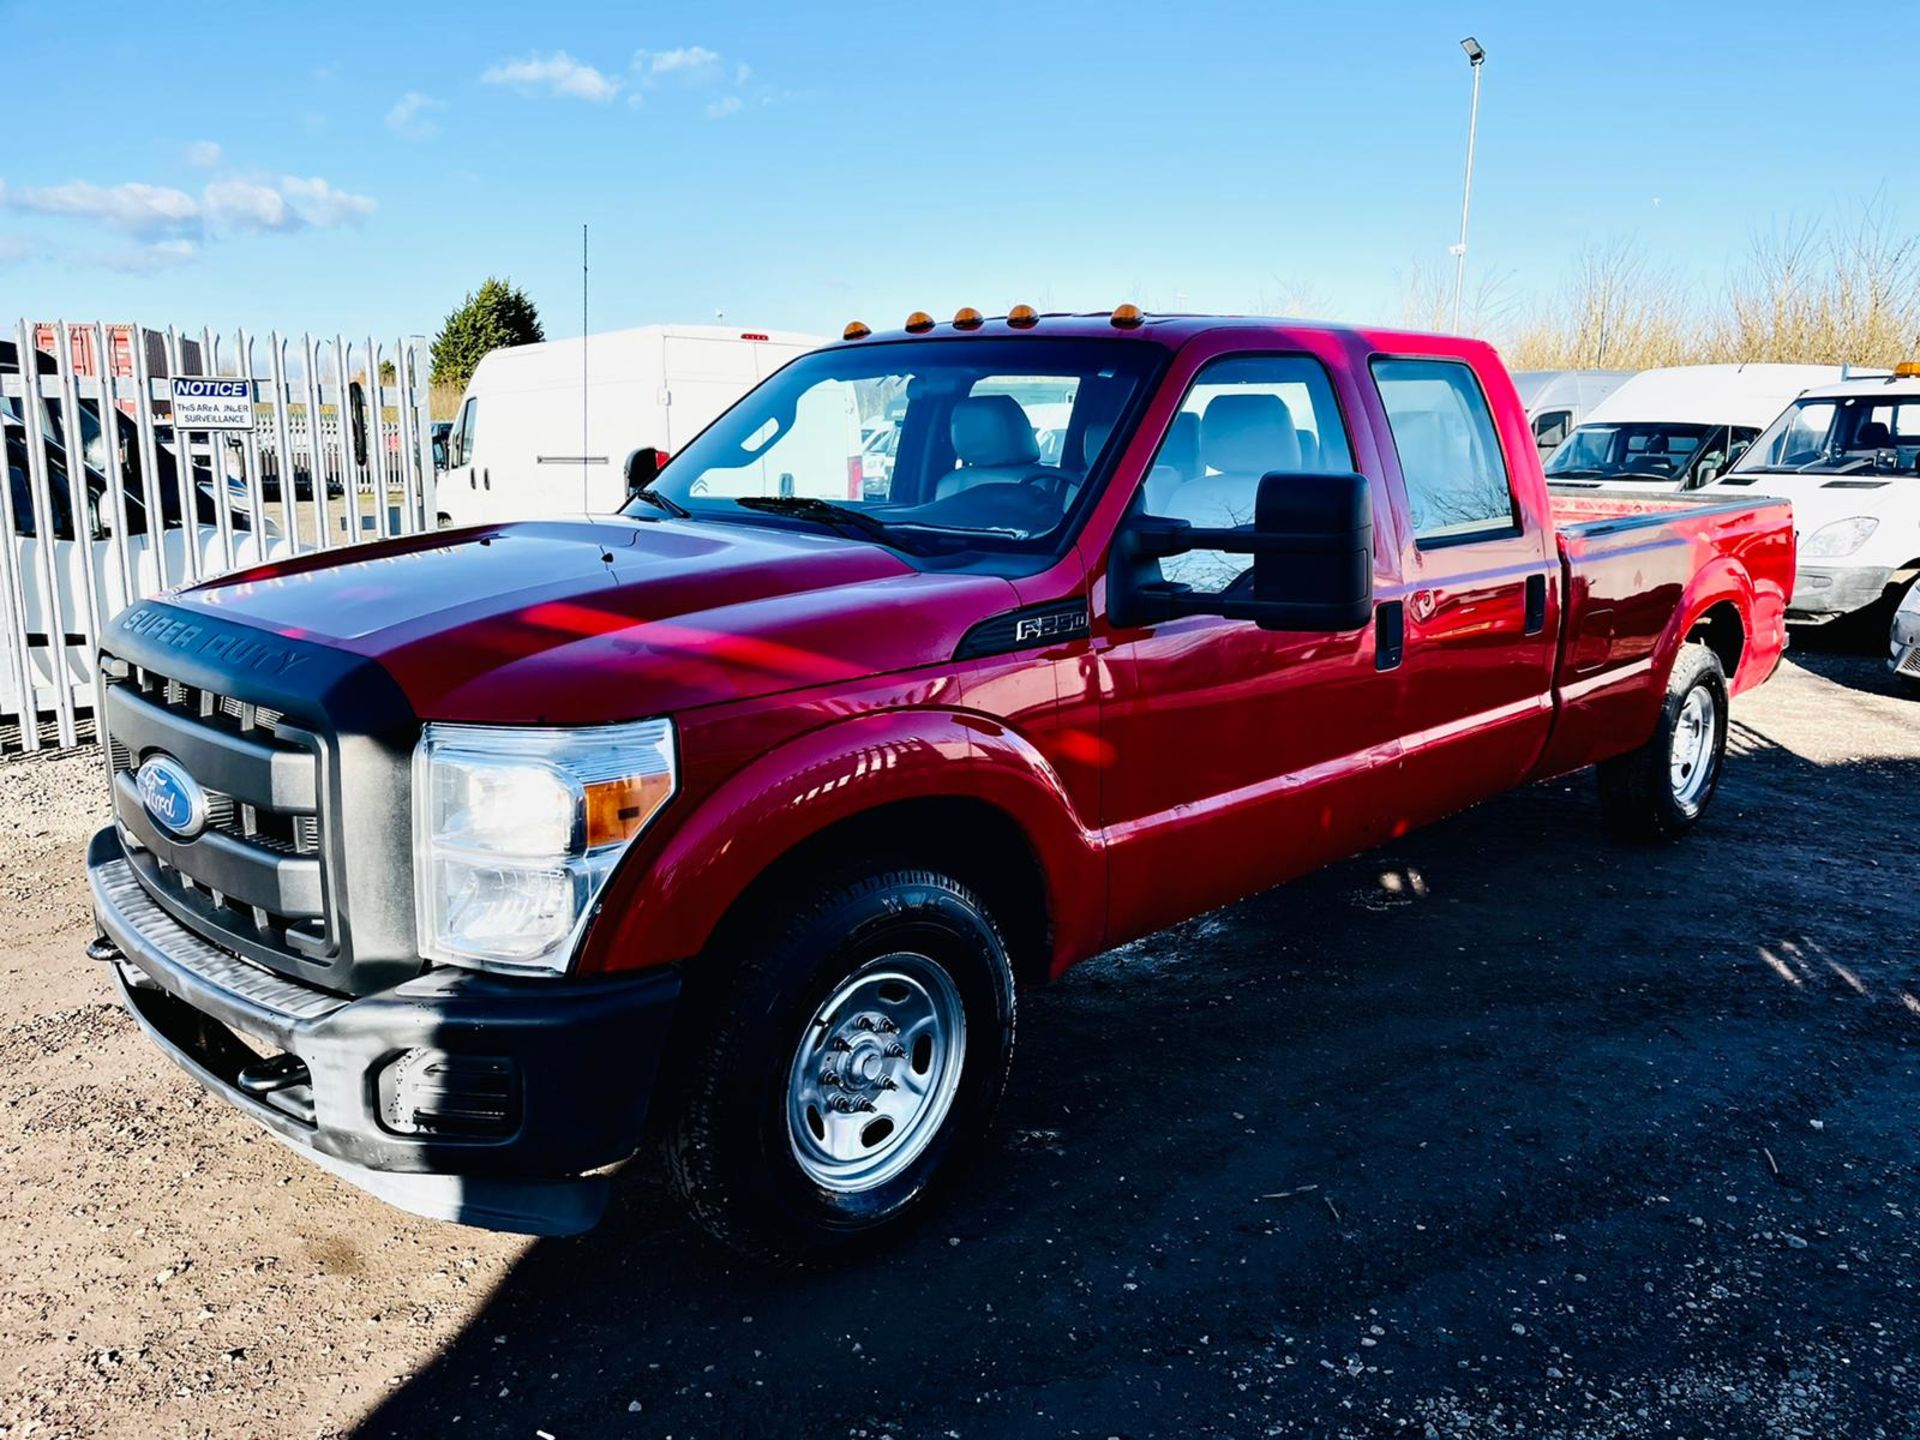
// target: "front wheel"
[[841, 1063], [1660, 791]]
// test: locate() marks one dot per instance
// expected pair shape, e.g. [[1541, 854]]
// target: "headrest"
[[993, 430], [1874, 435], [1181, 450], [1251, 434], [1094, 439]]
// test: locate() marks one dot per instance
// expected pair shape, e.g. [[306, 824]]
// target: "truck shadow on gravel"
[[1501, 1130]]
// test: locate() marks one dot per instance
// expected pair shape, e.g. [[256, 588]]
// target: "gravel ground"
[[1502, 1131]]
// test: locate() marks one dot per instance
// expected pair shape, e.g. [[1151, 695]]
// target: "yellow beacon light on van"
[[1907, 370]]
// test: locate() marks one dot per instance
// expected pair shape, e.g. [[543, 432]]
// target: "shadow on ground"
[[1501, 1131]]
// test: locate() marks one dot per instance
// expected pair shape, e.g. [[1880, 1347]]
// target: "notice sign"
[[212, 404]]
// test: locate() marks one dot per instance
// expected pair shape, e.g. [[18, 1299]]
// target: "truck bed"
[[1632, 566]]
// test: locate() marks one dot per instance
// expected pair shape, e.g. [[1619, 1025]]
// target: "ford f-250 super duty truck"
[[466, 862]]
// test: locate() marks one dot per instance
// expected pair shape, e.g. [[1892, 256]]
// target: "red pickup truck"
[[467, 863]]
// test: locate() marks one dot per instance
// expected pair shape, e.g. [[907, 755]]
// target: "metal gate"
[[108, 500]]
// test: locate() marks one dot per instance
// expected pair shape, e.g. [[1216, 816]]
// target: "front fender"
[[663, 903]]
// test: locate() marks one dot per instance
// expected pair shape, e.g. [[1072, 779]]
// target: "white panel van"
[[540, 433]]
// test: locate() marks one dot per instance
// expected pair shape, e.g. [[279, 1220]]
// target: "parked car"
[[753, 809], [1906, 639], [1846, 455], [1679, 428], [55, 544], [517, 450], [1558, 400]]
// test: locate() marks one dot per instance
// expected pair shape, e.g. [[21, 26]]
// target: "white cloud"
[[134, 207], [243, 205], [558, 74], [320, 204], [742, 73], [411, 117], [146, 259], [726, 105], [14, 249], [687, 60], [205, 154]]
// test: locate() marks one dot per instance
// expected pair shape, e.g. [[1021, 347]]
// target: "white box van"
[[1848, 457], [534, 437], [1558, 400], [1679, 427]]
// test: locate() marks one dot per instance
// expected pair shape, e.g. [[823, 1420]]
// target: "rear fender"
[[663, 904]]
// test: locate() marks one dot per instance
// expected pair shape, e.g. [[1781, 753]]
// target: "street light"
[[1476, 55]]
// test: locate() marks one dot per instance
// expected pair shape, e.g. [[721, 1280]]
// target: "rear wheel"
[[841, 1063], [1660, 790]]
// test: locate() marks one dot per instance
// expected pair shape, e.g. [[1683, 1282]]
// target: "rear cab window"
[[1456, 477]]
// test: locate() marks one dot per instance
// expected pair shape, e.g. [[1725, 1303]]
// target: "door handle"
[[486, 480], [473, 479], [1389, 634], [1536, 603]]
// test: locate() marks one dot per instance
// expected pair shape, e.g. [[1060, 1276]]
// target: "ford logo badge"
[[172, 797]]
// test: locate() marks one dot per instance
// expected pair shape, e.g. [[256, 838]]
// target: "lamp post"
[[1476, 55]]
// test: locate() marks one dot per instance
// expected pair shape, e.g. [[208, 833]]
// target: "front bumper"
[[556, 1075], [1826, 592]]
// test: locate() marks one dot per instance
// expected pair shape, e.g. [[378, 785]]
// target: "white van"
[[1846, 456], [534, 436], [1558, 400], [1680, 427]]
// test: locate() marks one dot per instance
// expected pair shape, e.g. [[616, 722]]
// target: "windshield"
[[1640, 450], [991, 443], [1840, 435]]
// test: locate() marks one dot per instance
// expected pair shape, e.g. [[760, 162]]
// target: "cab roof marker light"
[[968, 318], [919, 322], [1126, 317], [856, 330], [1023, 317]]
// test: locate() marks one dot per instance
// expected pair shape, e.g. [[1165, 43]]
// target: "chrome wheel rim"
[[1690, 757], [875, 1072]]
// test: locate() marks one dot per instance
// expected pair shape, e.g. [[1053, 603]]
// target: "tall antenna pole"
[[1476, 57], [585, 468]]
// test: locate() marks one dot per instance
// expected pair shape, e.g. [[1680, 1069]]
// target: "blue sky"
[[361, 166]]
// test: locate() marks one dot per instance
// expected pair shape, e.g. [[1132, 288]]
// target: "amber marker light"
[[1126, 317], [856, 330], [919, 322], [1023, 317], [967, 318]]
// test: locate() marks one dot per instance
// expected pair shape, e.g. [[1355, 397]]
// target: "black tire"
[[1639, 791], [730, 1152]]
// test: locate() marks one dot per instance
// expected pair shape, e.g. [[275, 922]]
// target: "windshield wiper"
[[1571, 474], [655, 498], [807, 507]]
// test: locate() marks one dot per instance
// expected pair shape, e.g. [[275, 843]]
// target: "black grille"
[[260, 829]]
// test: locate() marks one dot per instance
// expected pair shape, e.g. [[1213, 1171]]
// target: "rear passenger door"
[[1481, 588]]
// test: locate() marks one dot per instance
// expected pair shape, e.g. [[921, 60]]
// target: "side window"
[[1456, 478], [1243, 418], [1551, 427], [460, 442]]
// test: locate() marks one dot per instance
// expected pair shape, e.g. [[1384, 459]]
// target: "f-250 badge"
[[1051, 626]]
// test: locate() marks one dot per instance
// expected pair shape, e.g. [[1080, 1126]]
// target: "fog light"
[[429, 1092]]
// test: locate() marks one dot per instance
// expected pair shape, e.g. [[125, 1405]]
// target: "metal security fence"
[[140, 460]]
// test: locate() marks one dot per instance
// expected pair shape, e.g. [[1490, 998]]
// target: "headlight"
[[1842, 537], [516, 830]]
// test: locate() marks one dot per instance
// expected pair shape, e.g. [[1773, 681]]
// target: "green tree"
[[499, 313]]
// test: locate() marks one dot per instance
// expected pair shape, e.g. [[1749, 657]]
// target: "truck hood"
[[576, 622]]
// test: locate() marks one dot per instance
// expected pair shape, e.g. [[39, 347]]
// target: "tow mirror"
[[643, 468], [1312, 547]]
